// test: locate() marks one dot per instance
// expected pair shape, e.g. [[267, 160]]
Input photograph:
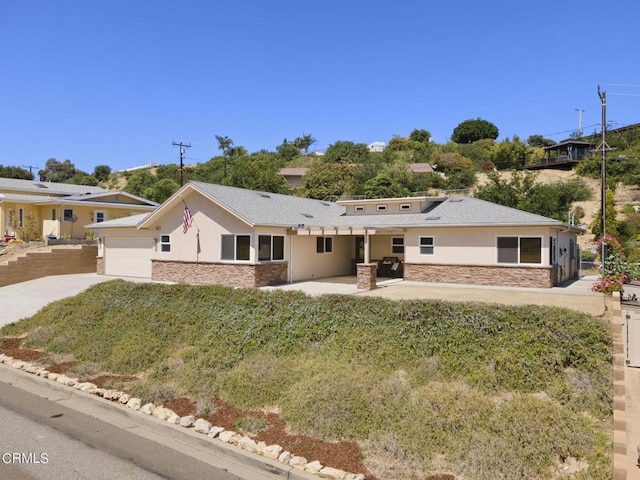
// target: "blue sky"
[[115, 82]]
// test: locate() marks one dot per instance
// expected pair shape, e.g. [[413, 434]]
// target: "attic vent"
[[432, 218], [39, 185], [264, 195], [326, 204], [308, 215], [456, 199]]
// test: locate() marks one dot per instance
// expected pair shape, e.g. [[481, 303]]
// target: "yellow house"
[[36, 209]]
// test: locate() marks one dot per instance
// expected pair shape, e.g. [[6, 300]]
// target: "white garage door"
[[128, 256]]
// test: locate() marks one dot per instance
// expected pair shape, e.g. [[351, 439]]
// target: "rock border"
[[200, 425]]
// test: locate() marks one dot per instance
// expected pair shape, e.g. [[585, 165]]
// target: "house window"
[[324, 245], [426, 245], [270, 247], [236, 247], [165, 243], [405, 206], [359, 208], [519, 250], [21, 217], [397, 245], [101, 216], [553, 250], [381, 208], [67, 215], [53, 214]]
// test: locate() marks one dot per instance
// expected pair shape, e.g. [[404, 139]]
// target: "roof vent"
[[264, 195], [456, 199], [40, 185], [326, 204], [308, 215], [432, 218]]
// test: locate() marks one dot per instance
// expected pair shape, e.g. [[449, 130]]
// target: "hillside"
[[419, 388]]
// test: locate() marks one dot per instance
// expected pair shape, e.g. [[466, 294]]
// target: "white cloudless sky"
[[115, 82]]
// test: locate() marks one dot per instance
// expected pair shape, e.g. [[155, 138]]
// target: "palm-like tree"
[[304, 142], [224, 144]]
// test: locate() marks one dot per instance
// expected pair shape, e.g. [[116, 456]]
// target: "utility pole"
[[30, 167], [580, 112], [182, 150]]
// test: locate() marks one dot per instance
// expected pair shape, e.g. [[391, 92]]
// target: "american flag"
[[186, 219]]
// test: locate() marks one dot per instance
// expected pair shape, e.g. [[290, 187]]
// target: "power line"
[[182, 150]]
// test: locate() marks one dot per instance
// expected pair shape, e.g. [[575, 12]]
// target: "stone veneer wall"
[[231, 275], [541, 277], [367, 276], [62, 260], [619, 389], [100, 266]]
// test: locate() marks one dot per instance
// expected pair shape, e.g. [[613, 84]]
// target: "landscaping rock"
[[227, 436], [332, 473], [174, 419], [354, 476], [285, 458], [53, 376], [187, 421], [148, 408], [298, 462], [134, 403], [272, 451], [313, 467], [162, 413], [124, 398], [202, 426], [96, 391], [215, 431], [247, 444]]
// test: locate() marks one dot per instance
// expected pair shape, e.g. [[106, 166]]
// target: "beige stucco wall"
[[307, 263]]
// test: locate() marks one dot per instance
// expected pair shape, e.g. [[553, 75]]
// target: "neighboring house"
[[563, 155], [293, 175], [60, 209], [376, 146], [421, 168], [246, 238]]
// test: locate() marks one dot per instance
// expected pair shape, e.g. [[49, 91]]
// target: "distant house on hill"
[[293, 175], [377, 146], [563, 155]]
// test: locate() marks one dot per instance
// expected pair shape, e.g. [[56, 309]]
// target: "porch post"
[[367, 271]]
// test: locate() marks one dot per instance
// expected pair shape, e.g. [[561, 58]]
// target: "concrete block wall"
[[57, 261], [231, 275], [540, 277]]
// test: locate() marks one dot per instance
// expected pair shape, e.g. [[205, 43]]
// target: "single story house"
[[216, 234], [61, 210]]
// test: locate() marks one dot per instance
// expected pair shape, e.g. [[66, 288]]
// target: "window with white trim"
[[21, 217], [426, 245], [67, 215], [381, 208], [235, 247], [324, 245], [165, 243], [553, 250], [519, 250], [359, 208], [397, 245], [101, 216], [405, 207], [270, 247]]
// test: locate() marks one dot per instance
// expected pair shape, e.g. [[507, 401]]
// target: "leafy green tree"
[[539, 141], [452, 162], [55, 171], [346, 152], [102, 172], [508, 154], [161, 190], [139, 181], [211, 171], [288, 151], [83, 178], [461, 180], [384, 186], [327, 180], [224, 144], [15, 172], [471, 131], [259, 171], [420, 135]]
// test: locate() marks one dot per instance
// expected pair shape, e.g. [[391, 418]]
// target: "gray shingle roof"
[[130, 221], [46, 188]]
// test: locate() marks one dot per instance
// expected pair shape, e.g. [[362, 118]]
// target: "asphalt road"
[[56, 442]]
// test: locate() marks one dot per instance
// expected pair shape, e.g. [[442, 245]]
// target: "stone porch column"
[[367, 276]]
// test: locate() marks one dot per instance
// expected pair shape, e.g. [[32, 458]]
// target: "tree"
[[15, 172], [471, 131], [304, 142], [346, 152], [420, 135], [383, 186], [161, 190], [55, 171], [83, 178], [139, 181], [508, 154], [224, 143], [539, 141], [102, 172], [288, 151], [326, 180]]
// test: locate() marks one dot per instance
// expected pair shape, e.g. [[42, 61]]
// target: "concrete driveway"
[[25, 299]]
